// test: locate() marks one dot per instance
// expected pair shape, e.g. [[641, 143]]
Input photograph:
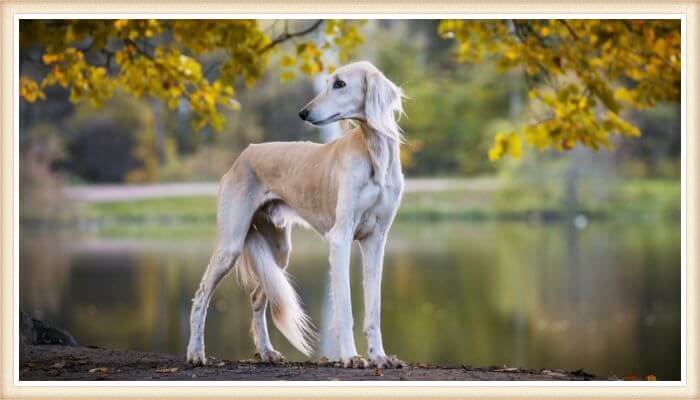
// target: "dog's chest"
[[378, 205]]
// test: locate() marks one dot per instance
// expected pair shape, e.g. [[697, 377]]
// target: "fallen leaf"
[[221, 364], [378, 372], [651, 377], [163, 370], [631, 378], [59, 364], [100, 370]]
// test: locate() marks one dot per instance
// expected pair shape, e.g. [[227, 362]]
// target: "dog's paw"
[[195, 355], [387, 362], [354, 362], [272, 357]]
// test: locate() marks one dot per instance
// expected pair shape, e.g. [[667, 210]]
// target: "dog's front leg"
[[372, 262], [340, 239], [342, 321]]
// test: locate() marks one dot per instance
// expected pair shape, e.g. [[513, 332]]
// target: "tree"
[[582, 74], [166, 58]]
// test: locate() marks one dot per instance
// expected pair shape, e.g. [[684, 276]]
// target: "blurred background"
[[556, 260]]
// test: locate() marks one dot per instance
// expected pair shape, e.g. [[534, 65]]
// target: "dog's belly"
[[281, 214], [375, 206]]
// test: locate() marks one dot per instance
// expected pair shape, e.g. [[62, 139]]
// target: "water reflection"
[[606, 298]]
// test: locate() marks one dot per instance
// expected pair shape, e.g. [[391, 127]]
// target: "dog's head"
[[358, 91]]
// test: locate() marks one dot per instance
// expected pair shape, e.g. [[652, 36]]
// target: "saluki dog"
[[346, 190]]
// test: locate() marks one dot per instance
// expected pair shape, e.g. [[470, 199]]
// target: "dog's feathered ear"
[[383, 105]]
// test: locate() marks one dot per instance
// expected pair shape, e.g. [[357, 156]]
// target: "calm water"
[[605, 298]]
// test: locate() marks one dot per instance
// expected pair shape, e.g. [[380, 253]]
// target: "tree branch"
[[287, 35], [519, 31], [109, 55], [138, 49], [571, 30]]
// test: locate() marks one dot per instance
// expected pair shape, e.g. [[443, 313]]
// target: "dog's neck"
[[384, 154]]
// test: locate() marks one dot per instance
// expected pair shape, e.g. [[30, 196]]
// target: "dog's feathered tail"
[[257, 266]]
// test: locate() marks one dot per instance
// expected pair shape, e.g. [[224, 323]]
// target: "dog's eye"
[[338, 84]]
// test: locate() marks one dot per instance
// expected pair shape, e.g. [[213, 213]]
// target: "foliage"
[[505, 144], [582, 74], [451, 135], [451, 110], [455, 113], [342, 34], [40, 191], [658, 154], [166, 59], [111, 144]]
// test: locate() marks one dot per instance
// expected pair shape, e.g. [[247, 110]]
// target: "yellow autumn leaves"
[[70, 70], [582, 74], [342, 35], [30, 90], [505, 143], [163, 59]]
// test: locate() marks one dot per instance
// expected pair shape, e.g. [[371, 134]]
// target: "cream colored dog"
[[346, 190]]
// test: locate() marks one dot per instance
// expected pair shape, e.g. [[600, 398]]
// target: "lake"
[[604, 297]]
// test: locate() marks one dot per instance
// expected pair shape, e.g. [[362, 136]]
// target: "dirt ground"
[[52, 362]]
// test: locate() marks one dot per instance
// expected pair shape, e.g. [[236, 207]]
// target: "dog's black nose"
[[303, 114]]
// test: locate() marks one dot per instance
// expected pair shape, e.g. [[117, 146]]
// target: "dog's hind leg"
[[236, 207], [261, 335]]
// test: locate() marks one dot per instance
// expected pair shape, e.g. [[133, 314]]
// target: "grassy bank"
[[632, 199]]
